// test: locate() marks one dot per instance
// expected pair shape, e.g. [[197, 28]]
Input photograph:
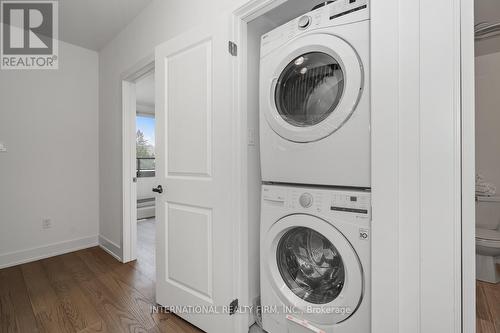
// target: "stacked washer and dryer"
[[315, 164]]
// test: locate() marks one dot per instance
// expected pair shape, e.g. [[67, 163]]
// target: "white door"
[[195, 239]]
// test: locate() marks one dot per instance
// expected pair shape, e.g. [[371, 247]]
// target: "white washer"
[[314, 98], [315, 260]]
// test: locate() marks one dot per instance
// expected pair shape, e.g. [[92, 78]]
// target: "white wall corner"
[[47, 251], [111, 247]]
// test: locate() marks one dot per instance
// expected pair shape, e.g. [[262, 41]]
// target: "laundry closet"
[[309, 202], [273, 157]]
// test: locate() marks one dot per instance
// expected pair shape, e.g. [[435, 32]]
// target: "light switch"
[[3, 147]]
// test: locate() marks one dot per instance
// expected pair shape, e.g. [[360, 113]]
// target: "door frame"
[[396, 304], [242, 14], [468, 167], [129, 195]]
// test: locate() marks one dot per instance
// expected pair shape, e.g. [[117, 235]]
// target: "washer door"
[[314, 268], [315, 84]]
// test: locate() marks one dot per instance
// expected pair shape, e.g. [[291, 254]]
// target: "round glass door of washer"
[[313, 267], [310, 265]]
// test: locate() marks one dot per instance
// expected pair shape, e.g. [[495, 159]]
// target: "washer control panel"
[[306, 200], [350, 202], [346, 202], [304, 22]]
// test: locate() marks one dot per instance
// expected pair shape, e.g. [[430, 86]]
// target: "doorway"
[[139, 167], [145, 170], [487, 139]]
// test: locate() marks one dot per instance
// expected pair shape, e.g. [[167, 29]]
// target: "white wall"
[[49, 121], [255, 29], [160, 21], [488, 117]]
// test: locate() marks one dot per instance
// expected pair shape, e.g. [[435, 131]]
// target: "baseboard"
[[42, 252], [111, 247]]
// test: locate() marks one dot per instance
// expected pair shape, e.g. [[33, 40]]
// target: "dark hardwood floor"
[[487, 307], [85, 291]]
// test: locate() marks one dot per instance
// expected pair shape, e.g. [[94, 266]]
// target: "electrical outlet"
[[46, 223]]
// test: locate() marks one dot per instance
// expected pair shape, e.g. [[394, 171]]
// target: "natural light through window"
[[145, 146]]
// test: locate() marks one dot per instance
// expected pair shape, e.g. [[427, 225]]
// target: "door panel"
[[189, 74], [193, 270], [195, 166]]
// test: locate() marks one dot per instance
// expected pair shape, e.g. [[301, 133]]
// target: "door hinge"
[[233, 49], [233, 307]]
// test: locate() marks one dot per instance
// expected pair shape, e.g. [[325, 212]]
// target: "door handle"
[[158, 189]]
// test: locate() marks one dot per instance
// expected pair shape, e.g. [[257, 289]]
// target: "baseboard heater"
[[146, 208]]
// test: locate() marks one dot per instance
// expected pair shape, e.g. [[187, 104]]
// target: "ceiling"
[[487, 11], [93, 23]]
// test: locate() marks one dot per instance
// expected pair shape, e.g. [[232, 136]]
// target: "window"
[[145, 146]]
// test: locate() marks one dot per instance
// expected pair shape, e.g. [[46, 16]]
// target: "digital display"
[[354, 199], [349, 210]]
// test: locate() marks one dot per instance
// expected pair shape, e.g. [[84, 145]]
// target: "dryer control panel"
[[344, 7], [339, 12], [327, 201]]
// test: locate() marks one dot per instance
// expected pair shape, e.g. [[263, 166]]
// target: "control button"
[[306, 200], [304, 22]]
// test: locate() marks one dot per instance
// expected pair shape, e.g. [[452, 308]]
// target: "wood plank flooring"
[[487, 307], [86, 291]]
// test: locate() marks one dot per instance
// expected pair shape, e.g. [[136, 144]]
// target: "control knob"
[[304, 22], [306, 200]]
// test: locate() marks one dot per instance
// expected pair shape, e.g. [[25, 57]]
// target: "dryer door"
[[314, 268], [311, 87]]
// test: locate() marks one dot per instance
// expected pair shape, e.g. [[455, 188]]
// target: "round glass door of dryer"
[[316, 82], [309, 89]]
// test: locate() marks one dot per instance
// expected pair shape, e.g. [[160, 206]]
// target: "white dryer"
[[315, 260], [315, 98]]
